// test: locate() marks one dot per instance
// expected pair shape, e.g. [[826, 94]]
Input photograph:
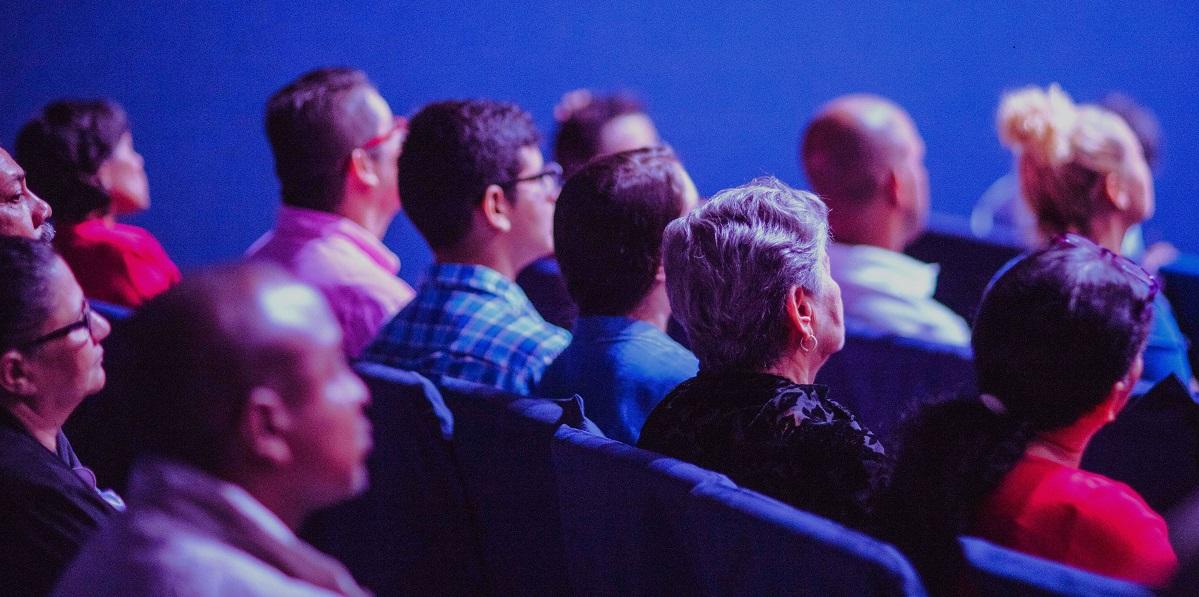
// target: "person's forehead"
[[375, 103], [531, 160], [9, 170]]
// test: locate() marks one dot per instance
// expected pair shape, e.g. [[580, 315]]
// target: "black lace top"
[[786, 440]]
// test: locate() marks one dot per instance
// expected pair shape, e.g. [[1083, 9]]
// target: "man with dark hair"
[[478, 189], [336, 146], [249, 419], [863, 156], [22, 213], [608, 235]]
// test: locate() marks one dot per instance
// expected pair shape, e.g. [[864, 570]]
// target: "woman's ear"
[[799, 312], [1122, 390], [496, 209], [13, 375], [1113, 189]]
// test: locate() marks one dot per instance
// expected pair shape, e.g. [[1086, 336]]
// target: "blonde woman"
[[1082, 170]]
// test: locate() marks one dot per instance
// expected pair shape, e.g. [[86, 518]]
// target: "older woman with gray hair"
[[748, 277]]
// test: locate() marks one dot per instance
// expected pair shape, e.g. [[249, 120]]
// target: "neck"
[[279, 498], [654, 309], [1108, 231], [488, 254], [1065, 446], [871, 226], [371, 219], [799, 367], [42, 426]]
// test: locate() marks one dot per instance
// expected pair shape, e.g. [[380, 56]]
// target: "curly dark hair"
[[63, 147], [25, 267], [1054, 333], [454, 150], [608, 225]]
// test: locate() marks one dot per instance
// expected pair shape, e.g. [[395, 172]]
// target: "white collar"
[[877, 268]]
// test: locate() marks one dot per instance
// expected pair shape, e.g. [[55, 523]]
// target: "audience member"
[[79, 155], [863, 156], [620, 359], [50, 359], [336, 147], [1057, 350], [22, 212], [250, 420], [748, 277], [1082, 170], [477, 188], [589, 126]]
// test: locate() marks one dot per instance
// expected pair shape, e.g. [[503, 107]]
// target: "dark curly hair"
[[1054, 333], [454, 150], [608, 225], [62, 148]]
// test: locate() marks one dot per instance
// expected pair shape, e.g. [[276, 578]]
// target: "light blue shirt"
[[622, 368]]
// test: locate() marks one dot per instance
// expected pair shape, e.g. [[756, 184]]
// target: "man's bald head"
[[204, 345], [860, 149]]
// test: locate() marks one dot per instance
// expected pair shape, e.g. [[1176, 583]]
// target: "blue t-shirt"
[[622, 368]]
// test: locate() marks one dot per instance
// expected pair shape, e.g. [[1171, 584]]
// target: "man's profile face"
[[533, 207], [330, 435], [22, 213]]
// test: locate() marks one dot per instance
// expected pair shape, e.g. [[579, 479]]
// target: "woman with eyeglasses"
[[79, 156], [1057, 351], [50, 359], [1082, 170]]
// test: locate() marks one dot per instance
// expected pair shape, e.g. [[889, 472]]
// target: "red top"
[[1078, 518], [119, 264]]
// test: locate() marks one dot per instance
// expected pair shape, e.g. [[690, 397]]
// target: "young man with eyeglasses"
[[477, 187], [336, 146]]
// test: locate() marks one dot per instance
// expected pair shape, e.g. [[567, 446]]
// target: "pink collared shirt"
[[354, 270]]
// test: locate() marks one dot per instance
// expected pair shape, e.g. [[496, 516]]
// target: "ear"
[[14, 375], [799, 313], [104, 175], [362, 168], [894, 188], [1113, 188], [1122, 390], [497, 211], [264, 426], [660, 275]]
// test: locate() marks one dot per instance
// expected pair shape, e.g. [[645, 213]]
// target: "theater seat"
[[411, 533], [880, 377], [623, 517], [503, 444], [999, 572], [743, 543]]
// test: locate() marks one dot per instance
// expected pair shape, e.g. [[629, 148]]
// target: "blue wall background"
[[729, 83]]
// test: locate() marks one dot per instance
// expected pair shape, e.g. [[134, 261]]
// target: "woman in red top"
[[1057, 350], [79, 156]]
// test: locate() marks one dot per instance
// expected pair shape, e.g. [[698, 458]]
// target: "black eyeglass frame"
[[84, 322], [553, 169]]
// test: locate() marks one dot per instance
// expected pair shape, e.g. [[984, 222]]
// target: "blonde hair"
[[1064, 152]]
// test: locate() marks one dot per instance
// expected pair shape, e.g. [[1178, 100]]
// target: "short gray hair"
[[730, 264]]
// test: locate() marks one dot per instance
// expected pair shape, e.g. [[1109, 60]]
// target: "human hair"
[[62, 149], [608, 225], [25, 266], [580, 127], [198, 350], [843, 160], [1141, 120], [313, 125], [731, 263], [1053, 335], [1064, 152], [453, 151]]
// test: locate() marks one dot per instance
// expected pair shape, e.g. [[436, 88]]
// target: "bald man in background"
[[863, 155]]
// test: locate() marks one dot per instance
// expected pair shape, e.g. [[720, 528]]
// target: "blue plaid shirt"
[[470, 322]]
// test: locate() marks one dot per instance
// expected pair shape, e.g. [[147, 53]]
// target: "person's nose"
[[100, 327], [41, 210]]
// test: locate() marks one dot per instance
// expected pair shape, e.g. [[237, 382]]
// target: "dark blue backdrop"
[[729, 83]]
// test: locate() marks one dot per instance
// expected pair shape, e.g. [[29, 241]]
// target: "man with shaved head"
[[22, 213], [864, 157], [249, 419]]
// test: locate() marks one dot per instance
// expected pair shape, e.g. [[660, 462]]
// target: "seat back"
[[623, 516], [503, 444], [411, 533], [967, 263], [881, 377], [743, 543], [999, 572]]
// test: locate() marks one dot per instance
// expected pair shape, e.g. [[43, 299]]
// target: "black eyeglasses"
[[84, 322], [551, 172], [1127, 265]]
